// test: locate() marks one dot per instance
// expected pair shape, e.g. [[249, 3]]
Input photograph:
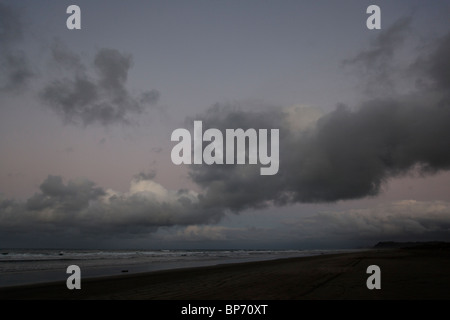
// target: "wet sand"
[[405, 274]]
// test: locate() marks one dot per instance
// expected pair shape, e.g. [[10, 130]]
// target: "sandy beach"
[[405, 274]]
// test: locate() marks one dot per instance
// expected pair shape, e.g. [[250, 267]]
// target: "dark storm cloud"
[[348, 154], [15, 69], [80, 99]]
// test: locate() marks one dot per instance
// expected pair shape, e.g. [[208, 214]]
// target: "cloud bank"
[[80, 208], [348, 153]]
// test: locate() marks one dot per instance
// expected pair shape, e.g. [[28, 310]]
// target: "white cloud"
[[91, 210], [301, 117]]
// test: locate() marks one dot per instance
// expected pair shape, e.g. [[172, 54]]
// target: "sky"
[[86, 117]]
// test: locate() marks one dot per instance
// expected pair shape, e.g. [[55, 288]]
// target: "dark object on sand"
[[124, 270]]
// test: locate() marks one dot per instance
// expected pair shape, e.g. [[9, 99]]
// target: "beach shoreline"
[[405, 274], [31, 266]]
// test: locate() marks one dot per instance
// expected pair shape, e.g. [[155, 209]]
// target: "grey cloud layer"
[[79, 99], [76, 95]]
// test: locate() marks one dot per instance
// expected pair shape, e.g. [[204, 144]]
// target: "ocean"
[[28, 266]]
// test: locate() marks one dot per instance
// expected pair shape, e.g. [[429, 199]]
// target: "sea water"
[[27, 266]]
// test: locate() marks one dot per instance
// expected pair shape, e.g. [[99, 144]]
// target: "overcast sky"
[[86, 118]]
